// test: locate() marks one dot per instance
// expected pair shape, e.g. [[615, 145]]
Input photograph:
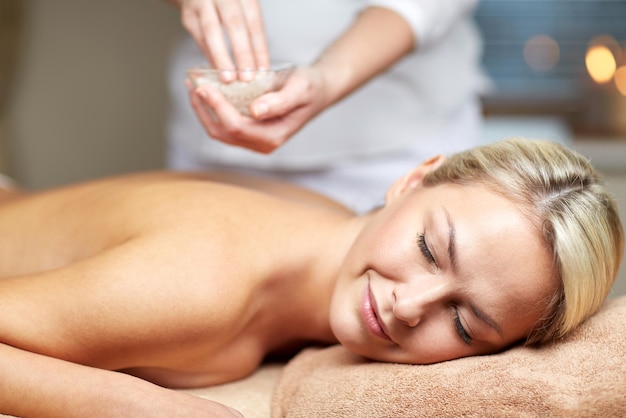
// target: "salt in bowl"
[[247, 85]]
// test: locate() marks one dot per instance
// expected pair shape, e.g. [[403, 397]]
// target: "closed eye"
[[423, 246], [460, 329]]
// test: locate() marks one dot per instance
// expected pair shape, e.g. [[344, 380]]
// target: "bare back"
[[156, 274]]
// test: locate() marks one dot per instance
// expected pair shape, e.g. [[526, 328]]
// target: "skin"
[[240, 20], [377, 39], [417, 292], [182, 281]]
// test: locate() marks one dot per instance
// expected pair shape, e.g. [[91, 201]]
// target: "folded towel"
[[251, 396], [583, 375]]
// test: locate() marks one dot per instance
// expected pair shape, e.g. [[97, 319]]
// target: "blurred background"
[[83, 84]]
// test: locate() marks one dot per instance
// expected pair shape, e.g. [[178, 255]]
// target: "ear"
[[413, 178]]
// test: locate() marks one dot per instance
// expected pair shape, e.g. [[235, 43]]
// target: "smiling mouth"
[[368, 313]]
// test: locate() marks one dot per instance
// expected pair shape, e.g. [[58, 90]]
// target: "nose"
[[415, 300]]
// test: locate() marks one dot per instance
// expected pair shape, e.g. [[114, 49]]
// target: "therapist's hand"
[[241, 20], [377, 39], [275, 116]]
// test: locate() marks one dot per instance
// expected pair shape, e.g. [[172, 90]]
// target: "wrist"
[[336, 79]]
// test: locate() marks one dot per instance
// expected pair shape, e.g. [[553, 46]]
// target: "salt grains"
[[241, 93]]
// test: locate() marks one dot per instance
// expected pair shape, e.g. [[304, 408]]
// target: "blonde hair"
[[573, 211]]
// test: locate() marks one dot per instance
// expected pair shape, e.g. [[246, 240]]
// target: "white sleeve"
[[430, 19]]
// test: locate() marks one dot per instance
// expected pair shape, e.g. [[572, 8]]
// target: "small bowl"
[[247, 85]]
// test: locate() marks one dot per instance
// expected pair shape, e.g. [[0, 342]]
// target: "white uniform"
[[427, 104]]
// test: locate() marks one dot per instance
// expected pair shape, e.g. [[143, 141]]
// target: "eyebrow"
[[451, 242], [485, 318], [453, 263]]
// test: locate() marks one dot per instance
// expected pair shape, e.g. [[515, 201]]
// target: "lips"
[[369, 313]]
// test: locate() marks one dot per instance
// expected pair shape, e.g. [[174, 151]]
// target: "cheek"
[[344, 310], [385, 245]]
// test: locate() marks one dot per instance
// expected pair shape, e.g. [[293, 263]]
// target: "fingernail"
[[260, 109], [202, 93], [227, 76], [247, 74]]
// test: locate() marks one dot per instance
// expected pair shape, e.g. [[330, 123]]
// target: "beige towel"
[[583, 375], [250, 396]]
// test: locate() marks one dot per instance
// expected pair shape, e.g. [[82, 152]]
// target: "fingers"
[[300, 90], [235, 23], [272, 105], [195, 20], [208, 21], [204, 101], [212, 35], [286, 111], [254, 20], [224, 123]]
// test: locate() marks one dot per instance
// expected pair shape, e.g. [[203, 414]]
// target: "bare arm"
[[108, 311], [36, 385], [378, 38]]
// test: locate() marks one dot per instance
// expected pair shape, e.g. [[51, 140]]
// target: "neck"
[[296, 297]]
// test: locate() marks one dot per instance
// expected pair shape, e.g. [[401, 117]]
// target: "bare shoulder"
[[166, 185], [144, 271], [280, 189], [155, 301], [46, 230]]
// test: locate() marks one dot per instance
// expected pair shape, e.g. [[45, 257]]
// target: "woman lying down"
[[183, 280]]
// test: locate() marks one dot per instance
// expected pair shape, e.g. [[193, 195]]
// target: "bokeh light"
[[601, 63], [620, 79], [541, 53], [609, 42]]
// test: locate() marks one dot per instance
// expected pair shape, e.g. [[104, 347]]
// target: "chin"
[[392, 356], [369, 355], [364, 348], [347, 330]]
